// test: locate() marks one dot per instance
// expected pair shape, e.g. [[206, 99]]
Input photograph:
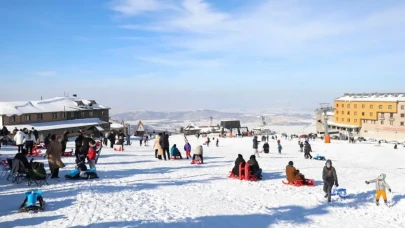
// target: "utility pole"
[[324, 109]]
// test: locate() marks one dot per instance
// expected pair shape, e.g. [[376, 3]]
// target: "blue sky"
[[190, 54]]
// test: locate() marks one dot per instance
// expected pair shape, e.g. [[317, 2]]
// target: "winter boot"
[[326, 196], [377, 203], [386, 203]]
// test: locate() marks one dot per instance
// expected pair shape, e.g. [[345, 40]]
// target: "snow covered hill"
[[137, 190]]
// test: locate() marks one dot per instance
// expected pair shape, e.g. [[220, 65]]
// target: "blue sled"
[[319, 157], [341, 192]]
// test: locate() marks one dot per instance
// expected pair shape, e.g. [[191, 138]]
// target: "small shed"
[[140, 129]]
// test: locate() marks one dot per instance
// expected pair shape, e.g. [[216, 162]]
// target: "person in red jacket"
[[91, 155]]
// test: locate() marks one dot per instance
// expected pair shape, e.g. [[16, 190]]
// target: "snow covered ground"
[[137, 190]]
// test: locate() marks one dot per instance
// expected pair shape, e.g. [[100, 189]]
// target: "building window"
[[355, 120], [348, 113], [102, 113], [337, 105], [391, 115], [11, 119], [348, 120], [402, 115], [389, 106], [402, 123], [343, 112], [343, 119], [363, 106], [382, 122], [374, 121], [54, 115], [355, 113], [380, 107], [362, 113], [391, 122], [402, 107], [371, 106], [337, 113], [343, 105], [355, 106], [39, 117], [364, 121], [371, 114], [348, 106], [90, 113], [382, 115], [72, 115], [82, 114], [27, 117]]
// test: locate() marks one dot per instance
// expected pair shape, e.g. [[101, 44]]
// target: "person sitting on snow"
[[239, 160], [380, 186], [254, 167], [198, 152], [81, 166], [293, 174], [175, 152], [266, 147]]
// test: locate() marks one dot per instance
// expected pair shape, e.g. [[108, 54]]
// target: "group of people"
[[254, 167], [27, 138], [306, 149], [266, 146]]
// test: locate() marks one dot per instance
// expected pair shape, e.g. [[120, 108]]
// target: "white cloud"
[[135, 7], [45, 73]]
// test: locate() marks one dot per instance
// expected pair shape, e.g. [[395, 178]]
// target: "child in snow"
[[91, 155], [301, 147], [279, 148], [187, 148], [380, 186], [175, 152], [329, 178]]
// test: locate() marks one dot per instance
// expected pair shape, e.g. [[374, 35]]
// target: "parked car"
[[361, 139]]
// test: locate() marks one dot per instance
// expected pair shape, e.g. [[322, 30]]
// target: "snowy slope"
[[136, 190]]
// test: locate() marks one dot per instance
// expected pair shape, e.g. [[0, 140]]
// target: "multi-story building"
[[55, 115], [373, 115]]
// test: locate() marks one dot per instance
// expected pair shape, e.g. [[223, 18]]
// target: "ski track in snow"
[[137, 190]]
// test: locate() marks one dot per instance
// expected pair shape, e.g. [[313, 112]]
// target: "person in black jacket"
[[79, 144], [121, 138], [301, 144], [254, 167], [5, 135], [47, 140], [164, 143], [85, 147], [256, 146], [64, 140], [329, 178], [266, 147], [23, 158], [307, 150], [238, 161], [111, 137], [36, 134]]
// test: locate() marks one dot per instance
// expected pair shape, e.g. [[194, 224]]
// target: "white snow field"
[[137, 190]]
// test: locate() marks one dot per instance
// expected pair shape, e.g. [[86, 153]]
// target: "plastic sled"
[[33, 202], [68, 153], [177, 157], [196, 161], [36, 152], [75, 175], [299, 183], [341, 192], [319, 157], [244, 174], [118, 148]]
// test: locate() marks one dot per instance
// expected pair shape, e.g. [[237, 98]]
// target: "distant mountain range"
[[206, 114]]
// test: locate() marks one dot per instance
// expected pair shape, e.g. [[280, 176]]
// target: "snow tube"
[[75, 174], [30, 202]]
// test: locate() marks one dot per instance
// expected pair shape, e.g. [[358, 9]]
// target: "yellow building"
[[376, 115]]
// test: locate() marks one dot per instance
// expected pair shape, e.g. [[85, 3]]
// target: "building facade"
[[55, 115], [374, 115]]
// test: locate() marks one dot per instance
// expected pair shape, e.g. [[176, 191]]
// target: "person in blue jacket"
[[174, 151]]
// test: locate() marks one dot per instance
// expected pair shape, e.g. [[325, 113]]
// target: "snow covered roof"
[[116, 126], [57, 104], [60, 124], [342, 125], [388, 97]]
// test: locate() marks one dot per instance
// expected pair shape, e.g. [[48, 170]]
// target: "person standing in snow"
[[208, 141], [64, 141], [140, 141], [29, 142], [19, 140], [164, 143], [78, 143], [280, 148], [301, 146], [146, 140], [329, 178], [266, 148], [256, 146], [54, 157], [307, 151], [217, 144], [5, 135], [380, 187], [111, 137], [36, 134], [187, 148]]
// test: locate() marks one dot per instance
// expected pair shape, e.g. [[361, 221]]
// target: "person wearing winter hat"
[[380, 187], [254, 167], [293, 174], [239, 160], [329, 178]]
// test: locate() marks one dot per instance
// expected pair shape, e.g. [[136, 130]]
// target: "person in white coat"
[[198, 152], [19, 140], [29, 142]]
